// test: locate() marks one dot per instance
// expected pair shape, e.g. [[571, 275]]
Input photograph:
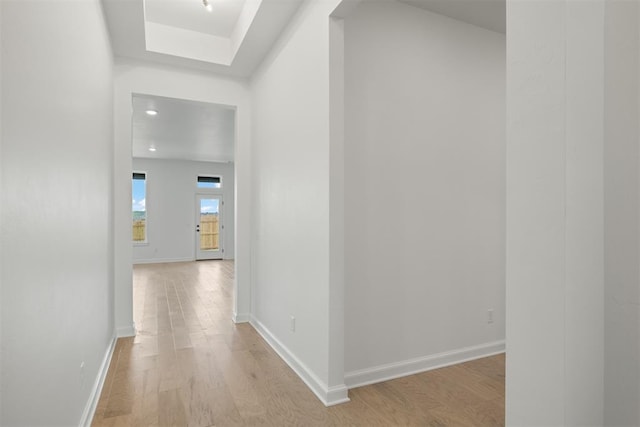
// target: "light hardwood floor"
[[190, 365]]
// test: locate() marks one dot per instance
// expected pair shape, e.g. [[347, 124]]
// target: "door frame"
[[148, 80]]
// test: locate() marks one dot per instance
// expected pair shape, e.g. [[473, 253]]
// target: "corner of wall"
[[96, 390], [336, 208], [126, 331], [241, 317], [329, 396]]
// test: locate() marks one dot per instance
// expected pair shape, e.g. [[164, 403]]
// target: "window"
[[138, 203], [209, 182]]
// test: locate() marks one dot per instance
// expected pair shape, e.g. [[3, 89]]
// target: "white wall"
[[152, 79], [291, 203], [621, 217], [1, 215], [171, 206], [424, 190], [555, 269], [56, 198]]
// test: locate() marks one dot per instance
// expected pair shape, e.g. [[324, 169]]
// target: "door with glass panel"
[[209, 227]]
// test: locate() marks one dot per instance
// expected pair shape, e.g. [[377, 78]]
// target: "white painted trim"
[[241, 317], [336, 395], [92, 403], [328, 396], [127, 331], [391, 371], [162, 260]]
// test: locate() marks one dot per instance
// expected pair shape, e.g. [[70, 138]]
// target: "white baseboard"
[[336, 395], [94, 397], [161, 260], [329, 396], [391, 371], [126, 331], [241, 317]]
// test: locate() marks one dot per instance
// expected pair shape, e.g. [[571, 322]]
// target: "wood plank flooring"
[[190, 365]]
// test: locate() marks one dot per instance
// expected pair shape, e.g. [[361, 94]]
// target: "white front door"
[[209, 227]]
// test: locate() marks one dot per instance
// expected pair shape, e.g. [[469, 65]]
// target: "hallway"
[[190, 365]]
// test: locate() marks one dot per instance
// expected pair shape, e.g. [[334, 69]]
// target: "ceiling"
[[236, 35], [191, 15], [489, 14], [187, 130], [232, 39]]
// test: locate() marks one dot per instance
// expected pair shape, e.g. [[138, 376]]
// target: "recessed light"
[[151, 112], [152, 148]]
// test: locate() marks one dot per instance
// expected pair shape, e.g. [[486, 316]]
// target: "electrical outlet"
[[490, 315], [292, 325]]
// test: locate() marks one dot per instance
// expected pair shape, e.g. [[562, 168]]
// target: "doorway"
[[186, 149], [177, 85], [209, 227]]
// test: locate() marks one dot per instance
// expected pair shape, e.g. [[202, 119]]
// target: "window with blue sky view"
[[138, 203]]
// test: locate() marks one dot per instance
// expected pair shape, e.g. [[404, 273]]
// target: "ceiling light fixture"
[[151, 112], [207, 5], [152, 148]]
